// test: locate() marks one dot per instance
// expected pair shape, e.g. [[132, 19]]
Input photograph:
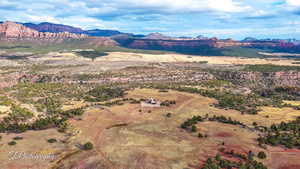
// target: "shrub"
[[52, 140], [18, 138], [262, 155], [12, 143], [88, 146], [73, 112], [194, 128]]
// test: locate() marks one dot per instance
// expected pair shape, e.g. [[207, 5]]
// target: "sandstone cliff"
[[13, 32], [10, 30]]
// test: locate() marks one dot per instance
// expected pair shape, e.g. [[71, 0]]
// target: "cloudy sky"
[[221, 18]]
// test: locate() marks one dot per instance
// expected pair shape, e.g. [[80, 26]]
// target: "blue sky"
[[222, 18]]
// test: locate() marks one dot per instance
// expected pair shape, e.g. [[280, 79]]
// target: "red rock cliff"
[[11, 30]]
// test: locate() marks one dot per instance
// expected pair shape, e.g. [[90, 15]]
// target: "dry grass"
[[294, 103], [150, 139], [33, 142], [277, 115], [74, 105], [121, 56]]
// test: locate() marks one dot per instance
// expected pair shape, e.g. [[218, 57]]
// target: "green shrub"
[[262, 155], [52, 140], [12, 143], [18, 138], [194, 128], [88, 146], [73, 112]]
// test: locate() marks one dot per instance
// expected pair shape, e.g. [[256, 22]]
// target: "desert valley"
[[91, 99]]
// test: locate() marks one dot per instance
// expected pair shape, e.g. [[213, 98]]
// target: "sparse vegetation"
[[101, 93], [286, 134], [168, 103], [223, 119], [244, 103], [189, 124], [245, 163], [270, 68], [18, 114]]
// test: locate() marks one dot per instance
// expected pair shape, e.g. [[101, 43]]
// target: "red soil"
[[290, 167], [224, 134]]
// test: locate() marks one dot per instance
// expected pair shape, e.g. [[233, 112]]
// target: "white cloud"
[[295, 3], [176, 6], [35, 18]]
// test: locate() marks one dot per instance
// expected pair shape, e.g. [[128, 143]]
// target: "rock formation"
[[14, 32], [57, 28], [11, 30]]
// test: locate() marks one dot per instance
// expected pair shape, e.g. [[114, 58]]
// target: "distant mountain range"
[[47, 33], [57, 28], [19, 33]]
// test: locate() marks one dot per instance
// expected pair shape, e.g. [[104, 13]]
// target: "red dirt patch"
[[224, 134], [290, 167]]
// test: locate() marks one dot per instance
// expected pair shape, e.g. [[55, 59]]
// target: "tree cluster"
[[285, 133]]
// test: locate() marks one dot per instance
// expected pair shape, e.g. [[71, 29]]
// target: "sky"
[[212, 18]]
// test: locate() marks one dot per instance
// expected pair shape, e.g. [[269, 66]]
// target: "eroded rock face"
[[11, 30], [54, 28]]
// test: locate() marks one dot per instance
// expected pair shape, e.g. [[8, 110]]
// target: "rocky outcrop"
[[11, 31], [54, 28]]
